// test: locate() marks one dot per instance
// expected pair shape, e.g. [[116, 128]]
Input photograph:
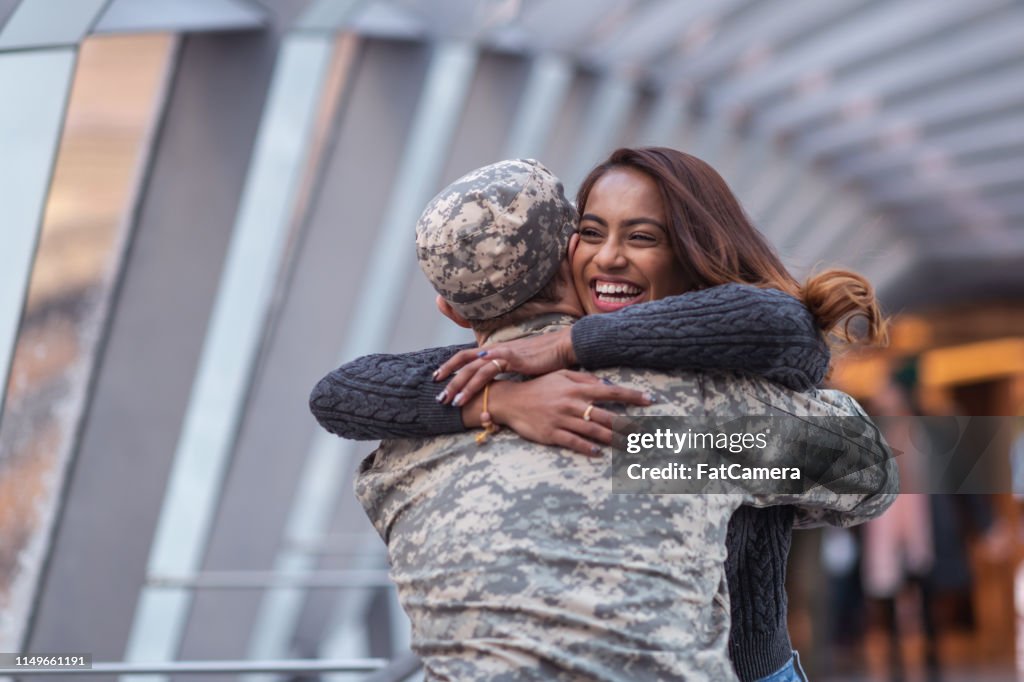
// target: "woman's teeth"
[[616, 293]]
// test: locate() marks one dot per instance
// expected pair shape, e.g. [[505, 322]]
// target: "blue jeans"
[[791, 672]]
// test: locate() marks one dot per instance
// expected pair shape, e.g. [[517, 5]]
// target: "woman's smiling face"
[[624, 255]]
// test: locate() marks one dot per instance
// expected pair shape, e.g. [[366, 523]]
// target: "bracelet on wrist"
[[489, 427]]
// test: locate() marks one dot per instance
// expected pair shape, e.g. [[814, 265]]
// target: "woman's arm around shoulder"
[[732, 326], [386, 396]]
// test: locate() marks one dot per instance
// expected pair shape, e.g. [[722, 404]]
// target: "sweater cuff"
[[437, 419], [587, 342], [758, 656]]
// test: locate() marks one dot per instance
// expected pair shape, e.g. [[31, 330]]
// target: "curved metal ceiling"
[[914, 107], [885, 133]]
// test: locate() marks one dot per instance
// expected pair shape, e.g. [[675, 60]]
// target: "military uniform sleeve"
[[851, 469], [386, 396], [733, 327]]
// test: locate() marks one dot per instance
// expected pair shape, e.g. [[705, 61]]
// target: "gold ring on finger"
[[586, 412]]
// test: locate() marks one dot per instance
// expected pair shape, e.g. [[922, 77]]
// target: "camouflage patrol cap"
[[493, 238]]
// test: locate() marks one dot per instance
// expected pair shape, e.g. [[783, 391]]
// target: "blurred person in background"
[[840, 554], [898, 547], [961, 521], [730, 304], [1012, 544]]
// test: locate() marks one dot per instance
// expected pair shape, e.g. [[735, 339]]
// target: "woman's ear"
[[574, 241], [448, 311]]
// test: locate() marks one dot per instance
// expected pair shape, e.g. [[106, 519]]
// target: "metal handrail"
[[399, 669], [259, 580]]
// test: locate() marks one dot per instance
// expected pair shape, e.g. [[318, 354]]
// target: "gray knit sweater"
[[732, 327]]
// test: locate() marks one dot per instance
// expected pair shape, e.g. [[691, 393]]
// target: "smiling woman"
[[623, 255], [641, 201]]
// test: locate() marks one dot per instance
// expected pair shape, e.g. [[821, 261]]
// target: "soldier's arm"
[[846, 461], [729, 327]]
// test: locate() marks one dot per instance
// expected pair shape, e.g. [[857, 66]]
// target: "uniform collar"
[[542, 324]]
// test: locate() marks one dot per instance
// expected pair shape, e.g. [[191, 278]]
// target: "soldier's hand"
[[561, 409], [477, 367]]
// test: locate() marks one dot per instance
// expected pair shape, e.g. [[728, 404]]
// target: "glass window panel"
[[6, 9], [327, 14], [38, 82], [129, 16], [117, 90], [232, 342], [49, 22]]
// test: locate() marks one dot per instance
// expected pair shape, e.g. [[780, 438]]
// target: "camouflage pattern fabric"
[[515, 562], [494, 237]]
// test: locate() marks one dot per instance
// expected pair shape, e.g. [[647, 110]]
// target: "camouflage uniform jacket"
[[514, 561]]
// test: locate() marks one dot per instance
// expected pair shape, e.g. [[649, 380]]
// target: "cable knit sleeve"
[[386, 396], [732, 327]]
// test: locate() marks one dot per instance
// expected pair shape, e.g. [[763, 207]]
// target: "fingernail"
[[481, 354], [458, 399], [441, 396], [607, 381], [436, 372], [594, 450], [649, 398]]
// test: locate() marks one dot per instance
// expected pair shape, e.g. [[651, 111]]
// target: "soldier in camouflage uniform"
[[514, 560]]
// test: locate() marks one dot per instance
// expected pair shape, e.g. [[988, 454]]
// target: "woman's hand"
[[551, 409], [533, 356]]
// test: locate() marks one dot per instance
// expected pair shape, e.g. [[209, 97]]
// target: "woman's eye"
[[589, 233], [643, 237]]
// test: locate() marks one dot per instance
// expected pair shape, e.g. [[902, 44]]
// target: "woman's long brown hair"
[[716, 243]]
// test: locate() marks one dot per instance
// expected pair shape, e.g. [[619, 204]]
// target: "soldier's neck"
[[538, 324]]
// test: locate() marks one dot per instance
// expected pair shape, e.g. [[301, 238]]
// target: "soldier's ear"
[[448, 311]]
